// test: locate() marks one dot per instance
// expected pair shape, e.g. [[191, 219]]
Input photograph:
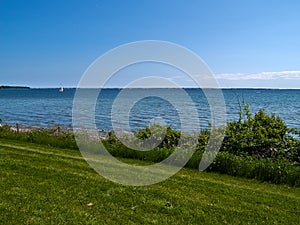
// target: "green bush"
[[261, 135], [166, 136]]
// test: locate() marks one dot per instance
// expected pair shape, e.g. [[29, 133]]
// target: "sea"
[[48, 107]]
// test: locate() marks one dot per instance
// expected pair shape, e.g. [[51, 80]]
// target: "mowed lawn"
[[45, 185]]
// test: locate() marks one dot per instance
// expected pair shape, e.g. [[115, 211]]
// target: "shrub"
[[261, 135], [166, 136]]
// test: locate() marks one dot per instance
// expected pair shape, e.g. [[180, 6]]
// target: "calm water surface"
[[48, 107]]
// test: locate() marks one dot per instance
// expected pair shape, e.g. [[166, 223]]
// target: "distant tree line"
[[13, 87]]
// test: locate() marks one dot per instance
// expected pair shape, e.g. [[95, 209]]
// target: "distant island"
[[14, 87]]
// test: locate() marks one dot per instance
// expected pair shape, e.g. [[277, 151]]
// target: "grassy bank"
[[47, 185], [276, 168]]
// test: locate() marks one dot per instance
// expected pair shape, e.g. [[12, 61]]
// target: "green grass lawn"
[[45, 185]]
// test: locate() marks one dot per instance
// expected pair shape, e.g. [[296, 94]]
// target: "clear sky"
[[247, 43]]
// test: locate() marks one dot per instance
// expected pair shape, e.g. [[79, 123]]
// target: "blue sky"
[[245, 43]]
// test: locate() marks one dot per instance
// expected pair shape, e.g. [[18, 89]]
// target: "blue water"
[[48, 107]]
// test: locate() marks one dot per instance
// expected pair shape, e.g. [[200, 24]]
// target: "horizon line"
[[72, 87]]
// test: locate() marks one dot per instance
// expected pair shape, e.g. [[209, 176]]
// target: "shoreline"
[[102, 134]]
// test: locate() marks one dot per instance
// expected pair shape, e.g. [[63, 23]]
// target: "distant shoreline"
[[13, 87]]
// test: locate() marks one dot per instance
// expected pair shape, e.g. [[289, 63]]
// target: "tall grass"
[[52, 137]]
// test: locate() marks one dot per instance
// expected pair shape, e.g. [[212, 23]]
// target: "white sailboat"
[[61, 89]]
